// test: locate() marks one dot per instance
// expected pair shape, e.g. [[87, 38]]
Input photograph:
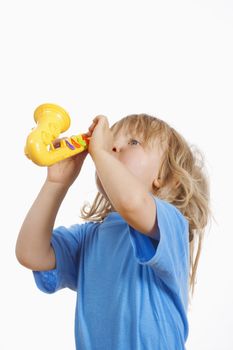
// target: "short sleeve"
[[66, 243], [167, 253]]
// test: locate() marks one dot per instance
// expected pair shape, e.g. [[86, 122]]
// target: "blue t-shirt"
[[132, 290]]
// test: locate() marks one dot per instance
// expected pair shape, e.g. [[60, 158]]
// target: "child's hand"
[[66, 171], [101, 135]]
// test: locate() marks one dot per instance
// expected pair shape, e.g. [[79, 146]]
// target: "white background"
[[172, 59]]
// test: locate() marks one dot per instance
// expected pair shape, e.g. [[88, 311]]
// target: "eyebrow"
[[131, 137]]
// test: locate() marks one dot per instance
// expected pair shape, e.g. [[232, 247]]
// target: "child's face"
[[142, 162]]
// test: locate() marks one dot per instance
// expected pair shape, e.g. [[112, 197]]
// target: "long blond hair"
[[183, 177]]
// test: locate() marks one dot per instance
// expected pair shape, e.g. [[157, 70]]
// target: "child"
[[132, 261]]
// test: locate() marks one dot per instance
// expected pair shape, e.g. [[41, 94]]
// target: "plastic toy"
[[52, 120]]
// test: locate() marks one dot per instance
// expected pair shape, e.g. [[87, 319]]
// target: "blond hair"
[[184, 182]]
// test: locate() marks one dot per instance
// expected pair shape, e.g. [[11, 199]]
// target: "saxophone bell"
[[52, 120]]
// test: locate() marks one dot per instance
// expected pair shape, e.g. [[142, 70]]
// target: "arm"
[[33, 249], [126, 193]]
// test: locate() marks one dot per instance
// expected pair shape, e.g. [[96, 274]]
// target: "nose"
[[116, 148], [118, 145]]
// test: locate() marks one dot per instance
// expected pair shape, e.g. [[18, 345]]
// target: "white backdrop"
[[169, 58]]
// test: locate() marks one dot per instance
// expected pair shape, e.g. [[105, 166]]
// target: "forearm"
[[123, 188], [35, 234]]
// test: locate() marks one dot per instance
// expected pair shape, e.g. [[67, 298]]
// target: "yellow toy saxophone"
[[52, 120]]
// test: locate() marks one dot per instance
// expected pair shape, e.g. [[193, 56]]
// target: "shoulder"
[[170, 212], [76, 231]]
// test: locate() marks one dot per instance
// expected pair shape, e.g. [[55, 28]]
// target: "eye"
[[134, 141]]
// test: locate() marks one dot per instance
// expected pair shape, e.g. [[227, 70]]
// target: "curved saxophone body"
[[52, 120]]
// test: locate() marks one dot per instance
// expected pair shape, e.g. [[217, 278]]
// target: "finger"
[[101, 118], [88, 133], [98, 119], [57, 142], [92, 127]]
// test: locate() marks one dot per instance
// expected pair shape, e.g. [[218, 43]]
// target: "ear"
[[157, 183]]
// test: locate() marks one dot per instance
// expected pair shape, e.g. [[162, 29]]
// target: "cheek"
[[135, 162]]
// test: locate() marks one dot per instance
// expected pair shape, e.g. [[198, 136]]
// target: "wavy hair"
[[183, 177]]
